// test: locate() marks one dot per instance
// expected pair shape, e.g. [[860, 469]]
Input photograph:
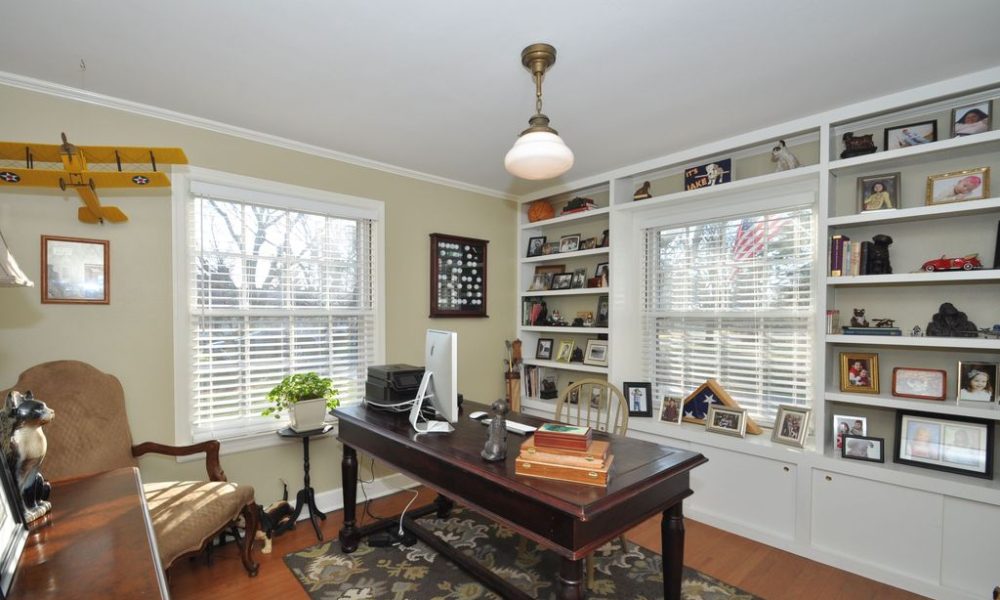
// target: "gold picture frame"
[[859, 372], [958, 186]]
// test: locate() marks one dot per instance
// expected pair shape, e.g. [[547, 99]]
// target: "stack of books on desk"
[[565, 453]]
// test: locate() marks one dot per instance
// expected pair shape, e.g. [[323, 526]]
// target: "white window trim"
[[184, 178]]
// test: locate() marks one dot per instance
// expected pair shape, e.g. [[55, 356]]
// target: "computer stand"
[[418, 403]]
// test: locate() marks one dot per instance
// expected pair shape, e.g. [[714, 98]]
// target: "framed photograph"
[[562, 281], [970, 184], [75, 270], [565, 350], [730, 421], [536, 245], [969, 120], [542, 281], [605, 239], [844, 425], [977, 381], [859, 372], [597, 353], [878, 192], [601, 270], [670, 410], [588, 244], [550, 248], [720, 171], [695, 406], [550, 269], [859, 447], [957, 444], [544, 349], [913, 134], [569, 243], [639, 396], [579, 278], [791, 425], [923, 384], [458, 276], [602, 312]]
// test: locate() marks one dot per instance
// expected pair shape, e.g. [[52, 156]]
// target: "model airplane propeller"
[[76, 175]]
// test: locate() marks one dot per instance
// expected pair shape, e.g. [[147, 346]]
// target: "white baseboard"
[[333, 500]]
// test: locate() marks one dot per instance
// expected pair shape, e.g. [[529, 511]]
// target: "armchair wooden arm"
[[210, 448]]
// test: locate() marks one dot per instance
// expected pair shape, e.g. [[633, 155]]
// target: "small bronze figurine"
[[643, 192], [496, 444]]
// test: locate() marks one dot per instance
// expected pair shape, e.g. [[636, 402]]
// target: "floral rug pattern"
[[419, 573]]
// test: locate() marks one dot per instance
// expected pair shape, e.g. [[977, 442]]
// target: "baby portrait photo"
[[910, 135], [977, 381], [969, 120], [878, 192], [970, 184]]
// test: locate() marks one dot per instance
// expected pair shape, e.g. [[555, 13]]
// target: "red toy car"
[[966, 263]]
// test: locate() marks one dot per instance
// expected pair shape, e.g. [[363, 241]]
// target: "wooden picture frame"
[[860, 447], [75, 270], [670, 410], [695, 406], [639, 396], [791, 425], [923, 384], [955, 444], [725, 420], [859, 372], [958, 186], [458, 276], [543, 351], [911, 134], [597, 353], [879, 192]]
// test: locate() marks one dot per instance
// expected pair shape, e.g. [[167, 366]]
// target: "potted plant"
[[306, 397]]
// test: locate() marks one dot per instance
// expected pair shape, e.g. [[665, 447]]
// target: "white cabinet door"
[[971, 546], [757, 493], [894, 527]]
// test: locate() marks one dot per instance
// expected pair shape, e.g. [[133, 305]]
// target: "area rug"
[[419, 573]]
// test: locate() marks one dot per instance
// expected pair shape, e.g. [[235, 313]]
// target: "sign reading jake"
[[714, 173]]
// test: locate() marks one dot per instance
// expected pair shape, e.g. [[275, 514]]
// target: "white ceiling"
[[437, 87]]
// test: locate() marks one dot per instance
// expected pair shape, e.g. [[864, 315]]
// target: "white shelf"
[[545, 329], [981, 410], [569, 292], [551, 364], [918, 213], [920, 342], [580, 217], [920, 277], [547, 258], [954, 148]]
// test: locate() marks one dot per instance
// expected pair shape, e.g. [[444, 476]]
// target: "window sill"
[[247, 443]]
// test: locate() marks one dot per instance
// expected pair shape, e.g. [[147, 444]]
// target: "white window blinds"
[[732, 300], [273, 291]]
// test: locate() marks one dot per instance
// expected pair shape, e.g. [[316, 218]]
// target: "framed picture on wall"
[[458, 276], [75, 270]]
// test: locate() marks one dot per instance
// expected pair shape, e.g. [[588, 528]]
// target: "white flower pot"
[[307, 415]]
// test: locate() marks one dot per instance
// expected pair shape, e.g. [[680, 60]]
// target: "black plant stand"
[[306, 496]]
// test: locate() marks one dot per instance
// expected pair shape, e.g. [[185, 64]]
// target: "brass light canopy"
[[539, 152]]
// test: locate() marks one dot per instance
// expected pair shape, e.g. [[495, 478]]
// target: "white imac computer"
[[440, 382]]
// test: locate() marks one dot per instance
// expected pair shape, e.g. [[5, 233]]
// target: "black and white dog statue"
[[25, 416]]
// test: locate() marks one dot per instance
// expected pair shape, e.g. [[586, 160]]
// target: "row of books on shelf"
[[578, 204], [849, 257], [538, 382]]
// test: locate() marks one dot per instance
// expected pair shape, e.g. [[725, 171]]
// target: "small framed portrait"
[[550, 248], [597, 353], [550, 269], [923, 384], [536, 245], [957, 444], [846, 425], [579, 278], [588, 244], [601, 270], [544, 349], [569, 243], [639, 396], [977, 381], [878, 192], [75, 270], [791, 426], [720, 171], [602, 312], [605, 239], [565, 350], [859, 372], [730, 421], [970, 184], [859, 447], [670, 409], [562, 281], [541, 282], [970, 120], [913, 134]]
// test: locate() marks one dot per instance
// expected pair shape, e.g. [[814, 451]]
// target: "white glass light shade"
[[538, 155]]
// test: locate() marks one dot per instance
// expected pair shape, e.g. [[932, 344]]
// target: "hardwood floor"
[[767, 572]]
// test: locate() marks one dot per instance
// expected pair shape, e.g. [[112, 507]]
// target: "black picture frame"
[[13, 528], [601, 320], [543, 351], [909, 135], [860, 447], [562, 281], [457, 276], [639, 396], [536, 246], [930, 449]]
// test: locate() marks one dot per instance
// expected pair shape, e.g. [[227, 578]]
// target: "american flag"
[[697, 407], [753, 235]]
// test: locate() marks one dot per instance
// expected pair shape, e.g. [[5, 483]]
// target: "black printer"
[[390, 385]]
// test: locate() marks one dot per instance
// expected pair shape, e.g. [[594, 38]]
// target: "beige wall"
[[132, 338]]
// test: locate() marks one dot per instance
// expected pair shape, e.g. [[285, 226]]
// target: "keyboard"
[[513, 426]]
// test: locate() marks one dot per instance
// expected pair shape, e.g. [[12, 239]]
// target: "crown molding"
[[146, 110]]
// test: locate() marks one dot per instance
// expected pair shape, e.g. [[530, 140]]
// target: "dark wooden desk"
[[571, 519], [99, 543]]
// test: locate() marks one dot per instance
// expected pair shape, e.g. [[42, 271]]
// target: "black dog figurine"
[[25, 416], [878, 256]]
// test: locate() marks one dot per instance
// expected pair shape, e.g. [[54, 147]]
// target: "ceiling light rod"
[[538, 58]]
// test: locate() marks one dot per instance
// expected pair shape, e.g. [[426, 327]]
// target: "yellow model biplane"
[[76, 175]]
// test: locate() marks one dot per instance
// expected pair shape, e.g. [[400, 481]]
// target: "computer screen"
[[440, 382]]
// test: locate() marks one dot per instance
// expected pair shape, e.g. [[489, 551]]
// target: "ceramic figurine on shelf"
[[856, 145], [24, 417], [859, 320], [785, 160], [643, 192], [916, 331], [496, 444], [878, 256]]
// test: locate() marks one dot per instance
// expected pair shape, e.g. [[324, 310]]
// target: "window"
[[732, 299], [274, 280]]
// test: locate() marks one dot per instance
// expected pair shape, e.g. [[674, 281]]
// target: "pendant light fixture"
[[539, 152]]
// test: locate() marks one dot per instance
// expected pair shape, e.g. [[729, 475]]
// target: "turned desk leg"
[[349, 535], [570, 580], [444, 506], [672, 539]]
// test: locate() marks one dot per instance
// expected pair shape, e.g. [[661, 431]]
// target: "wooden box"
[[593, 456], [588, 476]]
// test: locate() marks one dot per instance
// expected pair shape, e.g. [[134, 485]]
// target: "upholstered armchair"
[[90, 434]]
